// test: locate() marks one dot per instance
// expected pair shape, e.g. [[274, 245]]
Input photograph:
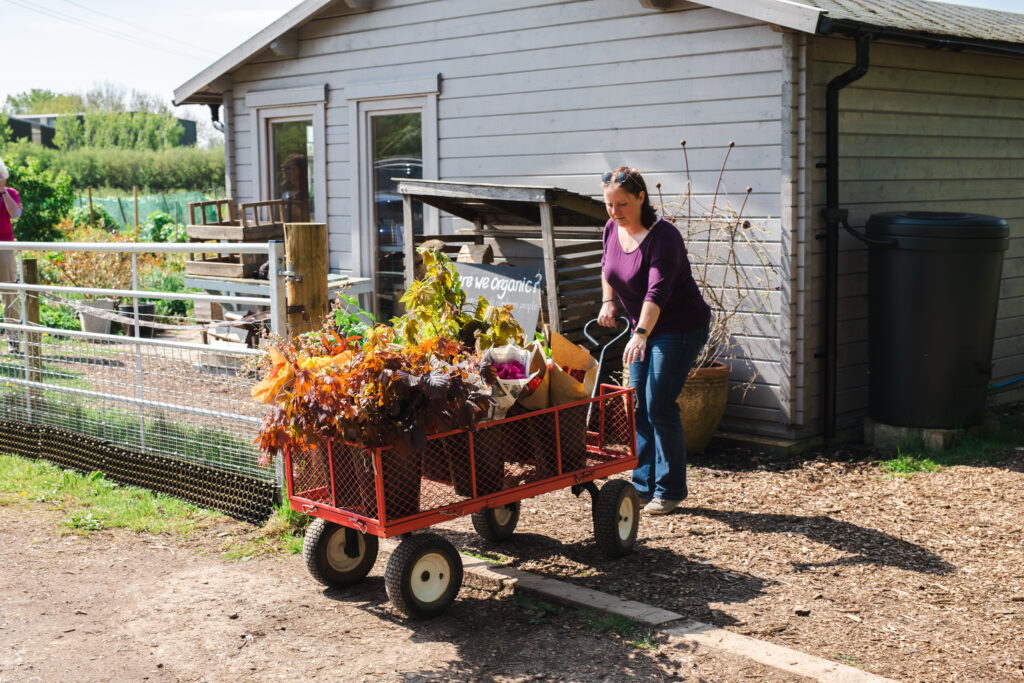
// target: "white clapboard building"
[[337, 96]]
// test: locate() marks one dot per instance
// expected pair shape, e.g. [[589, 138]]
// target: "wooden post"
[[408, 241], [547, 234], [92, 220], [33, 353], [135, 197], [305, 247]]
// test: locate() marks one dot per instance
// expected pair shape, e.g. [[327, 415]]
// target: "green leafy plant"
[[436, 307], [85, 523], [161, 227], [59, 317], [350, 320], [46, 197], [167, 274], [101, 218]]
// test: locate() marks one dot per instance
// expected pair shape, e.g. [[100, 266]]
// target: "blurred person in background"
[[10, 209]]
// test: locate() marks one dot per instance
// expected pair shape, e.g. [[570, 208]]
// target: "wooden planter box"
[[249, 222]]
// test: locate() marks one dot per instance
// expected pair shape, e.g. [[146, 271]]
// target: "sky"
[[148, 45]]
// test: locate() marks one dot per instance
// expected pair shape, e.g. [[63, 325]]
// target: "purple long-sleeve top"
[[658, 271]]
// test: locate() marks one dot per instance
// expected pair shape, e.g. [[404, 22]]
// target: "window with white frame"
[[395, 137], [291, 151]]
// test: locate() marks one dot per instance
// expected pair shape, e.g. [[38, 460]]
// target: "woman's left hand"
[[636, 347]]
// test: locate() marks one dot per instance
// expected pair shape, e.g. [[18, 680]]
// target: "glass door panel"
[[397, 144], [291, 144]]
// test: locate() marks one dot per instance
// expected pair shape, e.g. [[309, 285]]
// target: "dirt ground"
[[916, 578], [120, 606]]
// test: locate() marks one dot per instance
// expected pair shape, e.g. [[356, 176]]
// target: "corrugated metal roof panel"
[[928, 17]]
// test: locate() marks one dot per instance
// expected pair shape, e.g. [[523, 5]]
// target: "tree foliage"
[[176, 168], [42, 101], [46, 198], [122, 130], [104, 97]]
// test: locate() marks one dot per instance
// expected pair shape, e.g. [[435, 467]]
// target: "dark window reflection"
[[397, 153], [293, 168]]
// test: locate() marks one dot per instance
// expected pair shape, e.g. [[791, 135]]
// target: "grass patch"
[[646, 642], [492, 558], [90, 502], [848, 660], [283, 534], [538, 610], [907, 464], [628, 629], [606, 621], [1004, 434]]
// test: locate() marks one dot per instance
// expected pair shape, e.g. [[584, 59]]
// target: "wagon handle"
[[600, 359]]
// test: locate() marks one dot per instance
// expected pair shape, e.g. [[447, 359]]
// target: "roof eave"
[[202, 88], [785, 13], [850, 28]]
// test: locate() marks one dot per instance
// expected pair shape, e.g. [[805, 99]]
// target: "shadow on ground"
[[656, 576], [499, 635], [867, 546]]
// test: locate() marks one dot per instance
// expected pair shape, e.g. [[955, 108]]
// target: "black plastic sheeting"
[[245, 498]]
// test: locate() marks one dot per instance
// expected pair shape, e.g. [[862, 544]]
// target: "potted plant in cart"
[[355, 398], [733, 268]]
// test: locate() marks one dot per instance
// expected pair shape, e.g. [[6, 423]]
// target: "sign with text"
[[501, 285]]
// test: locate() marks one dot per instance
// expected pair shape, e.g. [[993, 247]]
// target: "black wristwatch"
[[641, 331]]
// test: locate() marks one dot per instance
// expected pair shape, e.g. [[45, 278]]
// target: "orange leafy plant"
[[381, 394]]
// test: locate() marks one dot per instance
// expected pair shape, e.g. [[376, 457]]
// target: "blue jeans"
[[658, 379]]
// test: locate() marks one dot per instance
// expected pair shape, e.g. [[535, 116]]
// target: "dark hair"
[[633, 184]]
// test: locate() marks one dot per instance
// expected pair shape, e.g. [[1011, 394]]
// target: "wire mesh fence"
[[157, 397], [163, 409], [122, 209]]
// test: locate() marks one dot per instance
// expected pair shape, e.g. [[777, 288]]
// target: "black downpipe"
[[834, 216]]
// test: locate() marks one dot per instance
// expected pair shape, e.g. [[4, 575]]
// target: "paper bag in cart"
[[506, 391], [564, 387], [540, 397]]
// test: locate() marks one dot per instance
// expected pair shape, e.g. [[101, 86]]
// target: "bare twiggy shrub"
[[730, 260]]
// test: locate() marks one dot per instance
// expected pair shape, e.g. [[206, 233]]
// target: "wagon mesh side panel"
[[494, 457], [310, 475], [611, 426], [441, 458]]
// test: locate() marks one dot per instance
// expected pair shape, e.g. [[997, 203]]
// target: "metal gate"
[[170, 413]]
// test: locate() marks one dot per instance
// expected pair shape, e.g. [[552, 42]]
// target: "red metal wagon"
[[359, 494]]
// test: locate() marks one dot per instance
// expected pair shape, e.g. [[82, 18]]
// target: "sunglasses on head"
[[619, 178]]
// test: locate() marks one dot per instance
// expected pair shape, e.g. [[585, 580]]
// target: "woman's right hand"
[[606, 318]]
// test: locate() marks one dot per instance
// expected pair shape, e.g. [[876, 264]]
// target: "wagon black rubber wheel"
[[616, 518], [332, 560], [423, 576], [497, 524]]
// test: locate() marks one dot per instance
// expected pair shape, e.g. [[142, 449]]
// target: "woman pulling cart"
[[645, 267]]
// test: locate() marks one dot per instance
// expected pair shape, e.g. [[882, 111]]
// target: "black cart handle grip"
[[617, 337]]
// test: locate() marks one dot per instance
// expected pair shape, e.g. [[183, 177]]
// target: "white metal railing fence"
[[177, 398]]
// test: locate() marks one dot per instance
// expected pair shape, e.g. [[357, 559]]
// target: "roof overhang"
[[798, 16], [208, 85], [793, 15], [851, 29]]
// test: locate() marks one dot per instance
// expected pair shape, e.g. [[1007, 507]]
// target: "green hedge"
[[160, 170]]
